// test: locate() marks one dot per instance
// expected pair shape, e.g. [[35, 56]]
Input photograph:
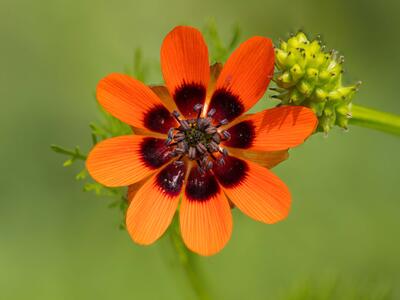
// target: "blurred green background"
[[57, 242]]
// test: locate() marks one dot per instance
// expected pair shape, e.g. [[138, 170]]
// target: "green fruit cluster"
[[309, 76]]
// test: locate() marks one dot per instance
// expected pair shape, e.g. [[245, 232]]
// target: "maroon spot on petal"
[[226, 105], [201, 187], [242, 135], [159, 119], [187, 96], [154, 152], [170, 179], [232, 173]]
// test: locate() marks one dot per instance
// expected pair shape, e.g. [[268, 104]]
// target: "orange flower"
[[193, 142]]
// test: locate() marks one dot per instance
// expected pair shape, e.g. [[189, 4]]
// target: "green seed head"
[[309, 76]]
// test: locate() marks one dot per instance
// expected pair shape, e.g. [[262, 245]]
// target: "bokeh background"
[[57, 242]]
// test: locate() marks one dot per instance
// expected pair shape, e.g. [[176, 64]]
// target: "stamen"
[[200, 124], [206, 122], [176, 115], [226, 135], [222, 122], [185, 124], [179, 151], [211, 112], [171, 133], [179, 162], [213, 146], [216, 138], [197, 108], [201, 148], [192, 153], [171, 144], [198, 139], [211, 130], [223, 151], [180, 136], [168, 142]]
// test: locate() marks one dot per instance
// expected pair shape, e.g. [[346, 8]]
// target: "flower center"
[[198, 139]]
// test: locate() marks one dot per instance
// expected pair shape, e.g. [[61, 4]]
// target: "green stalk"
[[374, 119], [188, 262]]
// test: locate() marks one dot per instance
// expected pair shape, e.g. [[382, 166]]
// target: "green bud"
[[309, 76], [296, 72]]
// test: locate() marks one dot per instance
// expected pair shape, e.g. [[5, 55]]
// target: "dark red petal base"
[[232, 172], [154, 152], [159, 119], [226, 105], [242, 135], [170, 179], [201, 186], [187, 96]]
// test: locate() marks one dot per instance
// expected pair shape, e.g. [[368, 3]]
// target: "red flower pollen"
[[193, 146]]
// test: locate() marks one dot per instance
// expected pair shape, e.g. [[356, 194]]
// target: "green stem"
[[76, 153], [371, 118], [188, 262]]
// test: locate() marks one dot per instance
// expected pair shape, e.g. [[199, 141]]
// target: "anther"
[[179, 163], [185, 125], [179, 137], [168, 141], [223, 122], [201, 169], [210, 130], [216, 138], [201, 148], [221, 161], [179, 150], [197, 108], [207, 122], [213, 146], [226, 135], [171, 133], [200, 124], [171, 144], [211, 112], [223, 151], [184, 145], [192, 153], [209, 165], [175, 114]]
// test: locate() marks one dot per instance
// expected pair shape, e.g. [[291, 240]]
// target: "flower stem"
[[371, 118], [188, 262]]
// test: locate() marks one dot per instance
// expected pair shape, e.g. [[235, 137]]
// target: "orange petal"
[[267, 159], [124, 160], [244, 78], [134, 188], [154, 205], [164, 95], [205, 216], [134, 103], [215, 70], [185, 67], [273, 129], [255, 190]]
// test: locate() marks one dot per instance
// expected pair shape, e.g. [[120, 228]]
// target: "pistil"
[[198, 139]]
